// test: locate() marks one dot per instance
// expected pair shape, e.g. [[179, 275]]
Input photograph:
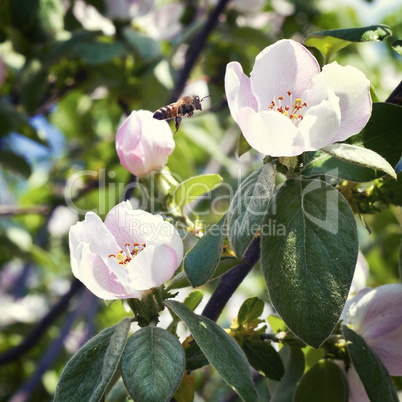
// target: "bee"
[[183, 107]]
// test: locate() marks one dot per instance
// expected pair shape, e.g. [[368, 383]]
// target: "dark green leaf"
[[359, 156], [250, 310], [331, 41], [152, 365], [146, 47], [201, 261], [225, 265], [248, 208], [293, 362], [374, 376], [243, 146], [220, 349], [309, 261], [397, 46], [324, 382], [16, 163], [195, 359], [382, 135], [192, 188], [98, 52], [14, 121], [264, 358], [90, 370]]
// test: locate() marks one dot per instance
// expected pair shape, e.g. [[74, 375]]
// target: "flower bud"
[[143, 143]]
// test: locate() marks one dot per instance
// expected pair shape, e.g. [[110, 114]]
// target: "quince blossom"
[[288, 106], [376, 315], [144, 143], [132, 251]]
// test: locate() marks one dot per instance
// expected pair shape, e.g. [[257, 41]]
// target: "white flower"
[[131, 252], [288, 106]]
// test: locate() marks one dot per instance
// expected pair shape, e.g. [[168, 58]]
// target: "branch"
[[196, 48], [41, 328], [231, 281]]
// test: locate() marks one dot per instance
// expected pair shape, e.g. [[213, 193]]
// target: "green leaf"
[[331, 41], [16, 163], [248, 208], [243, 146], [33, 80], [309, 261], [359, 156], [13, 120], [195, 358], [193, 299], [325, 381], [152, 365], [90, 370], [276, 323], [190, 189], [225, 265], [381, 134], [146, 47], [98, 52], [374, 376], [250, 310], [264, 358], [201, 261], [397, 46], [220, 349], [293, 362]]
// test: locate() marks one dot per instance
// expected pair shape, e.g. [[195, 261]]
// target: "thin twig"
[[45, 323], [196, 47]]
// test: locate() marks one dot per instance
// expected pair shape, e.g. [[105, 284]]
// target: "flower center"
[[123, 257], [293, 110]]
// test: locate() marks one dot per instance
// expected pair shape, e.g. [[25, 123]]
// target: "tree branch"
[[231, 281], [196, 48]]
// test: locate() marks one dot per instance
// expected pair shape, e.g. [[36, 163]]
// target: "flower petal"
[[350, 303], [389, 349], [238, 89], [90, 269], [378, 312], [353, 89], [283, 66], [270, 132], [94, 232], [152, 267], [321, 123], [357, 393]]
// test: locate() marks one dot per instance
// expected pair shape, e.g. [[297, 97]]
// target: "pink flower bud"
[[132, 251], [144, 143]]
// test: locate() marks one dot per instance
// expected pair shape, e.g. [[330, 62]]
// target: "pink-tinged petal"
[[156, 141], [270, 132], [353, 89], [321, 123], [238, 89], [152, 267], [123, 222], [357, 393], [378, 312], [144, 143], [90, 269], [281, 67], [389, 349], [349, 305], [94, 232], [360, 276], [136, 226]]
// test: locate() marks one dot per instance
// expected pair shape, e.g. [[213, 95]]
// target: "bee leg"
[[178, 122]]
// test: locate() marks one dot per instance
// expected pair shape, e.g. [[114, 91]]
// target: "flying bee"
[[183, 107]]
